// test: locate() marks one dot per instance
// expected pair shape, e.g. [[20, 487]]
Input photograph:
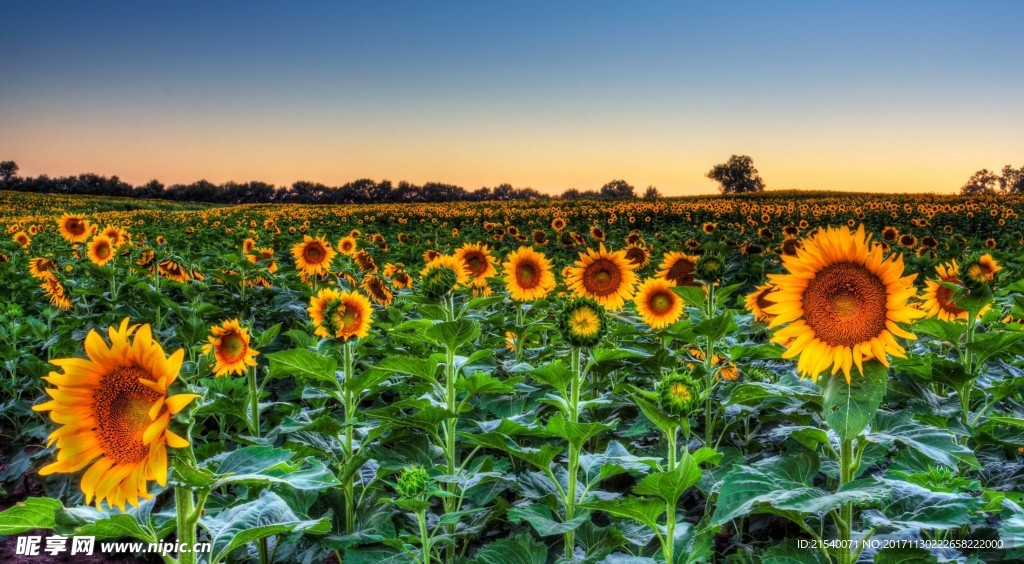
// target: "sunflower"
[[229, 343], [248, 245], [605, 276], [637, 255], [709, 267], [442, 275], [982, 270], [115, 234], [341, 315], [676, 394], [378, 290], [22, 239], [730, 372], [657, 304], [261, 254], [39, 267], [74, 228], [908, 240], [101, 250], [114, 408], [365, 262], [477, 259], [313, 256], [528, 275], [678, 268], [890, 233], [558, 223], [756, 302], [55, 291], [347, 245], [841, 302], [173, 271], [582, 322]]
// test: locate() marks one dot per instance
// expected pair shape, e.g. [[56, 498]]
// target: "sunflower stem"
[[254, 402], [844, 524], [574, 452], [187, 515], [350, 408]]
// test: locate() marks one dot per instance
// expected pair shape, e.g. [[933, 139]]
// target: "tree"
[[982, 182], [617, 190], [652, 193], [7, 170], [737, 176], [1012, 180]]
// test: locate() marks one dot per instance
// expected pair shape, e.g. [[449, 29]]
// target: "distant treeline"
[[356, 192]]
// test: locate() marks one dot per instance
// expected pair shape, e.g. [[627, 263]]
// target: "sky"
[[890, 96]]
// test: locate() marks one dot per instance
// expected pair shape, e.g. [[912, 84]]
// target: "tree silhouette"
[[7, 170], [618, 190], [737, 176], [982, 182], [652, 193]]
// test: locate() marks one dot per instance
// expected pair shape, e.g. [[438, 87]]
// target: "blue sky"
[[887, 96]]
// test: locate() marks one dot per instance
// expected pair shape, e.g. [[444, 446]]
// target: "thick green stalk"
[[350, 409], [574, 452], [254, 403], [845, 526], [450, 428], [424, 537], [184, 505]]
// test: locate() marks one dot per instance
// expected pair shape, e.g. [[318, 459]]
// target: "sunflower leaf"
[[849, 407]]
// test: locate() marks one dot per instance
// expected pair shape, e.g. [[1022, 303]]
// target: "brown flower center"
[[661, 303], [121, 406], [602, 277], [845, 304]]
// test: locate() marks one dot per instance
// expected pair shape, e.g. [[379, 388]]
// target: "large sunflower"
[[605, 276], [313, 256], [657, 304], [841, 302], [114, 408], [101, 250], [74, 228], [757, 302], [443, 274], [678, 268], [229, 343], [936, 301], [341, 315], [528, 275], [478, 261]]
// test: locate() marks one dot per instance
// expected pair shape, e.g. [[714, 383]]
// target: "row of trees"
[[1011, 181], [738, 175]]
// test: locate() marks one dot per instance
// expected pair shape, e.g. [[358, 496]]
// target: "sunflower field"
[[784, 377]]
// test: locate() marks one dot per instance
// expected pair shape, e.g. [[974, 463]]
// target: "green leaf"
[[912, 506], [424, 368], [946, 331], [575, 433], [693, 296], [33, 513], [1011, 531], [601, 356], [671, 485], [269, 515], [302, 364], [87, 521], [746, 489], [666, 422], [453, 334], [555, 374], [252, 460], [716, 327], [934, 443], [540, 518], [850, 407], [521, 549], [988, 345], [640, 509], [905, 555]]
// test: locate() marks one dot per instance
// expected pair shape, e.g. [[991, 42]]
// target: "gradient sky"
[[875, 96]]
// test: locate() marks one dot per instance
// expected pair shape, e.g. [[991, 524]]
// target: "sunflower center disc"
[[527, 273], [845, 304], [232, 345], [602, 278], [661, 303], [121, 407]]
